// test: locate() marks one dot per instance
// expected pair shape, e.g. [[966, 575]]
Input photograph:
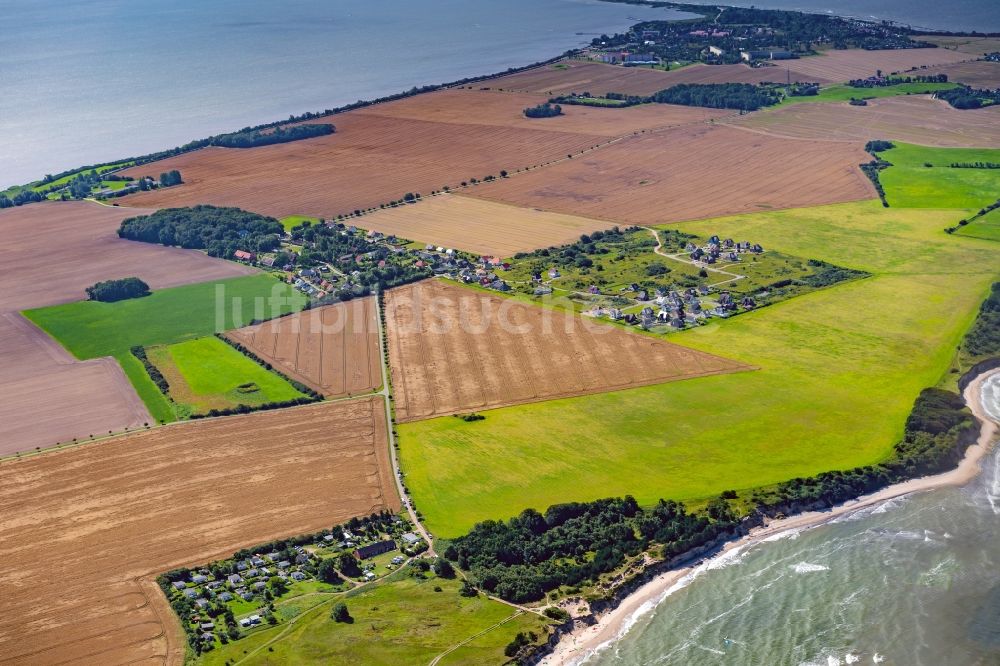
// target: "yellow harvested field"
[[332, 349], [84, 532], [912, 118], [454, 350], [462, 106], [691, 173], [480, 226]]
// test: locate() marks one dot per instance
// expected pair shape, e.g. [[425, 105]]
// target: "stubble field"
[[333, 349], [455, 350], [690, 173], [914, 119], [84, 532], [369, 161], [481, 226]]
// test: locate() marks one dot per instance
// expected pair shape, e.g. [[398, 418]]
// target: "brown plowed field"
[[52, 251], [455, 350], [47, 396], [370, 160], [691, 173], [83, 531], [579, 76], [911, 118], [974, 46], [850, 64], [333, 349], [832, 66], [977, 73], [462, 106], [480, 226]]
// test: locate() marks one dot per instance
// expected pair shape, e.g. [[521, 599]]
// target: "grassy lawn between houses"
[[90, 329], [295, 220], [206, 373], [402, 620], [839, 370], [910, 183]]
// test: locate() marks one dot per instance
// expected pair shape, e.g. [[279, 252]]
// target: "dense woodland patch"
[[110, 291], [218, 231]]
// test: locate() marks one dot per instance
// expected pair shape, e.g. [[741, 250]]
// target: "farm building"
[[373, 549], [243, 255]]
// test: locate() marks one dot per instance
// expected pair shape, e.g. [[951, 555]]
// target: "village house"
[[242, 255]]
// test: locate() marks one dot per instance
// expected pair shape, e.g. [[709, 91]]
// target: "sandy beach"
[[584, 640]]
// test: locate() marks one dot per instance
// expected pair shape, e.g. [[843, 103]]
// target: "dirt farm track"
[[453, 350], [83, 532], [333, 349]]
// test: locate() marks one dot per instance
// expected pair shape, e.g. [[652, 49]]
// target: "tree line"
[[522, 559], [254, 138]]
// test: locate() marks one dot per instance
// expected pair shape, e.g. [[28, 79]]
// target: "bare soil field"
[[52, 251], [830, 67], [974, 46], [913, 119], [839, 66], [477, 225], [333, 349], [691, 173], [47, 396], [369, 161], [83, 532], [491, 107], [453, 349], [976, 73], [578, 76]]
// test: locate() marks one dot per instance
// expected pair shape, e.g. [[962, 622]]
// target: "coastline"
[[585, 640]]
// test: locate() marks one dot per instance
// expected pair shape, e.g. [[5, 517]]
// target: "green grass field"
[[295, 220], [843, 93], [909, 183], [206, 373], [400, 621], [838, 372], [89, 329], [986, 227]]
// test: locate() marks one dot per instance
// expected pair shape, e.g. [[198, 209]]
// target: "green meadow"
[[295, 220], [986, 227], [400, 621], [838, 370], [206, 373], [921, 177], [844, 93], [90, 329]]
